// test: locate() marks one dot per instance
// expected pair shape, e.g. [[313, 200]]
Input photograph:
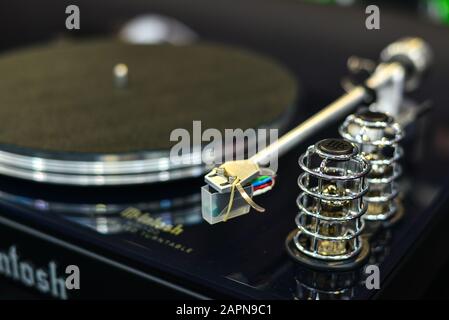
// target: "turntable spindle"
[[120, 72]]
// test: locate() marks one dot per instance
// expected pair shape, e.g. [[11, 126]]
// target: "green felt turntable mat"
[[62, 97]]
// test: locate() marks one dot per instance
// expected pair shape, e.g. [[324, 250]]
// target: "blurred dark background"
[[312, 38]]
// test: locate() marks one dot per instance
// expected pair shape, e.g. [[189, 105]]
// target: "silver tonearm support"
[[401, 66]]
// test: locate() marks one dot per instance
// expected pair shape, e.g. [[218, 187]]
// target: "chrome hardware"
[[413, 52], [377, 135], [324, 285], [330, 204], [402, 64]]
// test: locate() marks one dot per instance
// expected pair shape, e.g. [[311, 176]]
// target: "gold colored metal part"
[[377, 208], [378, 172], [248, 199], [231, 199], [237, 173], [332, 209], [243, 170]]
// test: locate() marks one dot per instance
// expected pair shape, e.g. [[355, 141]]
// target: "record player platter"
[[100, 112]]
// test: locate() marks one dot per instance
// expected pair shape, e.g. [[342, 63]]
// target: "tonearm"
[[229, 190]]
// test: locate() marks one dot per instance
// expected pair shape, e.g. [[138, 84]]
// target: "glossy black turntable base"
[[242, 258]]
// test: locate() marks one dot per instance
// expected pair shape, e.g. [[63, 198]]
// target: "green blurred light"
[[439, 10], [336, 2]]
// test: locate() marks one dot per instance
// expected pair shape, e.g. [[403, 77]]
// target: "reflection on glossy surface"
[[321, 285], [110, 218], [246, 258]]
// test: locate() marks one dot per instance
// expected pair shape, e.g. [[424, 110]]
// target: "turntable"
[[101, 112], [86, 178]]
